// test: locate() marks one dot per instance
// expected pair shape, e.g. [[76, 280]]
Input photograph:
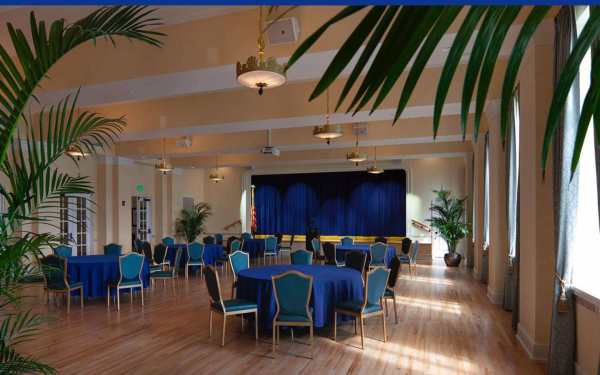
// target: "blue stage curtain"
[[340, 203]]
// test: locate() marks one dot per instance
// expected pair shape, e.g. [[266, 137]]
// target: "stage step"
[[424, 256]]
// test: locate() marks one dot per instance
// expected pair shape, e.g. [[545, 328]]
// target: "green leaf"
[[514, 62], [588, 34], [454, 55], [305, 46], [489, 62], [349, 48], [435, 35], [477, 53]]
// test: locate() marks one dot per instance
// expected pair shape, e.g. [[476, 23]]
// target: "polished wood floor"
[[446, 326]]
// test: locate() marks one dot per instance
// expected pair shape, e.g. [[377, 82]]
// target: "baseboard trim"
[[537, 352], [495, 297]]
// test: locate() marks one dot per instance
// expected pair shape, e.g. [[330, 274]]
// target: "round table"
[[254, 247], [212, 252], [340, 252], [330, 285], [96, 271]]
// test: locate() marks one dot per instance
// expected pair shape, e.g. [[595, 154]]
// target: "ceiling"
[[188, 88]]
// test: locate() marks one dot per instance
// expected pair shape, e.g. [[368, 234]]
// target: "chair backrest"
[[63, 251], [406, 245], [347, 241], [160, 253], [415, 251], [168, 241], [175, 264], [212, 284], [113, 249], [380, 239], [292, 240], [130, 267], [239, 261], [195, 252], [376, 282], [356, 260], [279, 237], [54, 269], [301, 257], [377, 251], [329, 250], [236, 245], [147, 249], [292, 294], [246, 236], [394, 270], [316, 245], [208, 240], [219, 239], [270, 244]]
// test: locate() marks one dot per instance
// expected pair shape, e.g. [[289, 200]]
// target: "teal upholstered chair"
[[390, 290], [301, 257], [270, 248], [236, 245], [246, 236], [170, 274], [229, 307], [284, 248], [113, 249], [57, 280], [195, 257], [160, 258], [411, 257], [238, 261], [377, 251], [371, 305], [130, 277], [219, 239], [347, 241], [316, 245], [63, 251], [168, 241], [292, 296]]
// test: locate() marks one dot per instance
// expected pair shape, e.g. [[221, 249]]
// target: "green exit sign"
[[139, 188]]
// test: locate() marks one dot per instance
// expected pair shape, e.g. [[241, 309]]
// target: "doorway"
[[141, 219]]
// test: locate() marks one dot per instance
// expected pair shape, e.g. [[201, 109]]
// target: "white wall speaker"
[[285, 30]]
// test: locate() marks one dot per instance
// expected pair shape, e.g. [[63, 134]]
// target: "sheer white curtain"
[[513, 176], [486, 194]]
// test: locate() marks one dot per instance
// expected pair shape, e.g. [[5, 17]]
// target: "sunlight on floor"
[[429, 280], [448, 307]]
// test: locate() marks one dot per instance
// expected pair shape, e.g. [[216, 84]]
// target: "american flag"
[[253, 225]]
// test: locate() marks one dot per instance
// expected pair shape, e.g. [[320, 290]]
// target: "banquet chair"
[[246, 236], [301, 257], [170, 274], [138, 245], [285, 249], [195, 257], [168, 241], [347, 241], [330, 254], [270, 249], [222, 261], [219, 239], [130, 277], [371, 305], [56, 278], [356, 260], [411, 257], [380, 239], [239, 261], [147, 251], [406, 242], [390, 290], [316, 245], [63, 251], [208, 240], [292, 297], [377, 252], [160, 258], [229, 307], [236, 245], [113, 249]]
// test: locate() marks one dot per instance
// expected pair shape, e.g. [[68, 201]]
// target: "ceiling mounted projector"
[[270, 150]]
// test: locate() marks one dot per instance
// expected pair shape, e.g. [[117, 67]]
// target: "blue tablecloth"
[[254, 247], [341, 251], [330, 285], [211, 253], [95, 271]]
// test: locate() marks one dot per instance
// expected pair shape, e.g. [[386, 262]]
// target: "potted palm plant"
[[447, 220], [191, 222]]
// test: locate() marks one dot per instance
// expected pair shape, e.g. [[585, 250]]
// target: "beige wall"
[[224, 198]]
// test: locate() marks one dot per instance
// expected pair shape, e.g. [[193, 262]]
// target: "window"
[[75, 223], [586, 256], [486, 193], [513, 175]]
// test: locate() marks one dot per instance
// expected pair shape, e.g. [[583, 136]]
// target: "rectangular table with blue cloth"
[[211, 253], [341, 251], [96, 271], [331, 284], [254, 247]]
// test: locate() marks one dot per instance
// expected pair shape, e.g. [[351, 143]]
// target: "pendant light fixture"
[[163, 165], [258, 73], [215, 176], [373, 169], [356, 156], [327, 131]]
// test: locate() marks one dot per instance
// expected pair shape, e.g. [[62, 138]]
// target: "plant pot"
[[452, 259]]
